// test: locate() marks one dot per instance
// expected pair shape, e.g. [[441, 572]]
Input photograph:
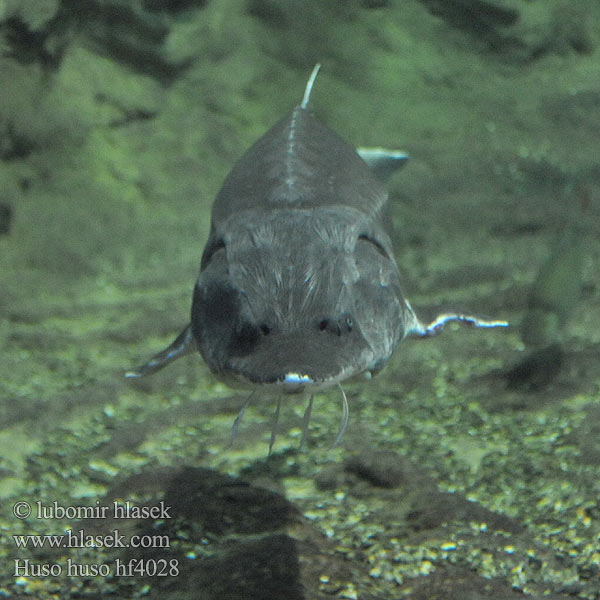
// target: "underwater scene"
[[365, 233]]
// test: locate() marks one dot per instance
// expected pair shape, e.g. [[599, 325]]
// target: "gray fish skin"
[[298, 288], [298, 282]]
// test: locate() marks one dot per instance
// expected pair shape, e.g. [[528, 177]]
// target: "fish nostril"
[[265, 329], [338, 325]]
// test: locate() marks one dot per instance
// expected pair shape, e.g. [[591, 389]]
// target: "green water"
[[115, 136]]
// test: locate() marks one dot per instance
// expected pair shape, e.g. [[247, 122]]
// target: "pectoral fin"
[[435, 327], [183, 344]]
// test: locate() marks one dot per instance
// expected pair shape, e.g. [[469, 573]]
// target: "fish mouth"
[[292, 382]]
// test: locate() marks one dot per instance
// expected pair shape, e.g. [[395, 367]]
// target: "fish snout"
[[315, 357]]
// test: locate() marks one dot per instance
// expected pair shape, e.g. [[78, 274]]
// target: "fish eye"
[[211, 250]]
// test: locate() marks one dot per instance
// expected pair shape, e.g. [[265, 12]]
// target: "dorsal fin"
[[309, 85]]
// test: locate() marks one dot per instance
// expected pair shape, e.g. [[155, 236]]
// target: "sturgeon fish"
[[299, 289]]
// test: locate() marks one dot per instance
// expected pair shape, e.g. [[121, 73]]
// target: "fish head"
[[297, 300]]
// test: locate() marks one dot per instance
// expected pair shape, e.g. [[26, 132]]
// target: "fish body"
[[298, 284], [299, 289]]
